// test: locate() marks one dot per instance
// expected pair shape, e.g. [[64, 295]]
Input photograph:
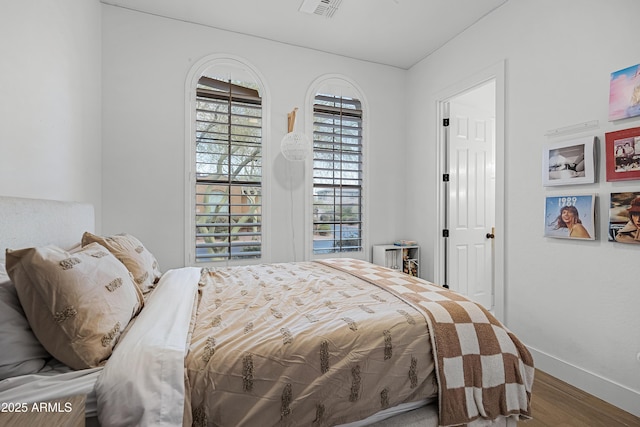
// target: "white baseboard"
[[607, 390]]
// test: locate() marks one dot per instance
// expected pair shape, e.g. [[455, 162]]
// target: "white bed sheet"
[[55, 381], [429, 407], [142, 384]]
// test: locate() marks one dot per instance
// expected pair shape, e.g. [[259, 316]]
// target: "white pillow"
[[26, 354]]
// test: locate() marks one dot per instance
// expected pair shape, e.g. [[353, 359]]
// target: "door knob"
[[490, 236]]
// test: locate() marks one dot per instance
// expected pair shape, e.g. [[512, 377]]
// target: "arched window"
[[227, 161], [338, 169]]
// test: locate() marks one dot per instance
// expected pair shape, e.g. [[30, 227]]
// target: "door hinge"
[[445, 177], [445, 233], [445, 122]]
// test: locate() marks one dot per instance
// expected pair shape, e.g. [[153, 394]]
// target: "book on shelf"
[[405, 243]]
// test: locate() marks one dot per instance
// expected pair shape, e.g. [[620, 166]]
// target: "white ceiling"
[[393, 32]]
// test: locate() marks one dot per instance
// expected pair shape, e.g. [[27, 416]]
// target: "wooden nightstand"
[[65, 412]]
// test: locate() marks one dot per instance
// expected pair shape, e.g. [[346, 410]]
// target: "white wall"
[[576, 304], [146, 60], [50, 86]]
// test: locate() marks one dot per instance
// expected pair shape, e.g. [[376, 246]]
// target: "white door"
[[471, 194]]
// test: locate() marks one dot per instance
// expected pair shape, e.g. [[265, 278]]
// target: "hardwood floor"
[[558, 404]]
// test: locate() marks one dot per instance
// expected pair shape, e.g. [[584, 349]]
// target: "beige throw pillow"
[[132, 253], [77, 303]]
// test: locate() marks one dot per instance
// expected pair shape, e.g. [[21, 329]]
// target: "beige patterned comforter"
[[484, 372], [301, 344]]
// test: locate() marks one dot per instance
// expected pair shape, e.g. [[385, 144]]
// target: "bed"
[[331, 342]]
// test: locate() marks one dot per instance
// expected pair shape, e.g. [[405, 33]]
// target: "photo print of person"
[[569, 162], [566, 162], [570, 217], [623, 154], [624, 217], [627, 154]]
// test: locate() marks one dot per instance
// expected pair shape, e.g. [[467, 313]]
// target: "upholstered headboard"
[[37, 222]]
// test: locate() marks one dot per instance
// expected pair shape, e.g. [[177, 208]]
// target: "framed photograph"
[[624, 93], [623, 154], [624, 217], [569, 162], [570, 217]]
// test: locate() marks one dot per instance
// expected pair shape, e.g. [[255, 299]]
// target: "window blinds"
[[228, 205], [337, 174]]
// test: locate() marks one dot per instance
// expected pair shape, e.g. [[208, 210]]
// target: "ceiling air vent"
[[324, 8]]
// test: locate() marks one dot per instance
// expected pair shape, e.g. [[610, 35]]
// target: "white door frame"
[[497, 73]]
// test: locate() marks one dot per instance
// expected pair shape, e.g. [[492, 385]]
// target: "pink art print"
[[624, 93]]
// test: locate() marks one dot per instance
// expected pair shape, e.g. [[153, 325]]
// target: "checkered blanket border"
[[483, 370]]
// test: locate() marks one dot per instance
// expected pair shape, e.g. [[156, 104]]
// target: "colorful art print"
[[569, 162], [623, 154], [624, 93], [624, 217], [570, 217]]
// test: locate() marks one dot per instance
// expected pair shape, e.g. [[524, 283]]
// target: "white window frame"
[[230, 62], [338, 85]]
